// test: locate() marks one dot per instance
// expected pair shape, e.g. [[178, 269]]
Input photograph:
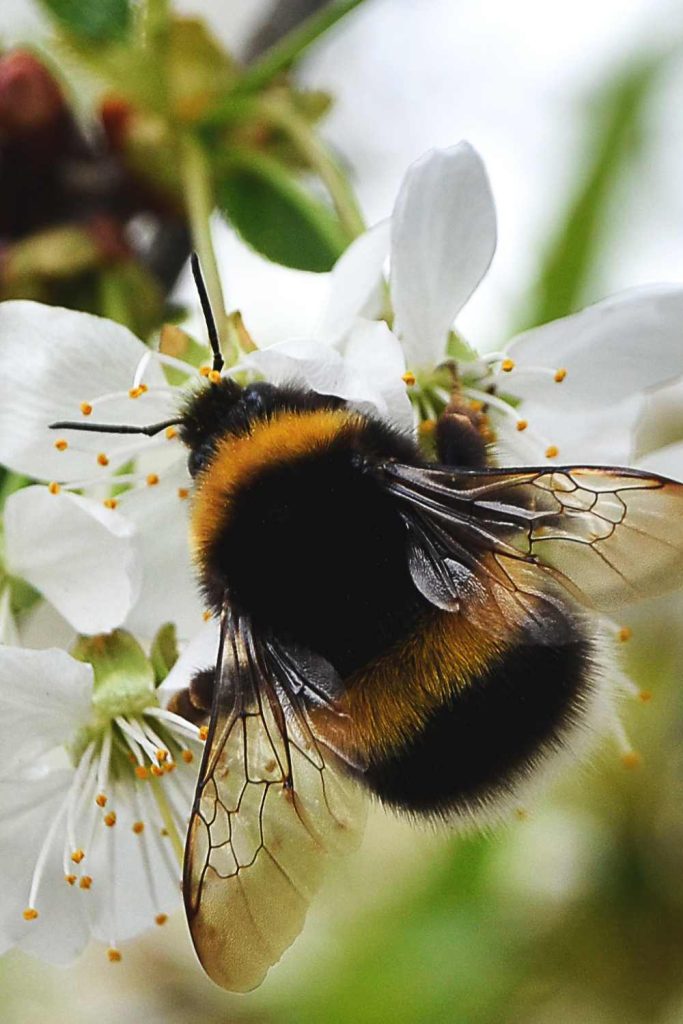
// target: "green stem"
[[321, 160], [167, 818], [200, 205], [286, 50]]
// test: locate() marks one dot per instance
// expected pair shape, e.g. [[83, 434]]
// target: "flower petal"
[[668, 461], [135, 874], [28, 809], [374, 373], [81, 556], [9, 633], [51, 360], [198, 654], [169, 591], [45, 698], [354, 280], [624, 345], [443, 237]]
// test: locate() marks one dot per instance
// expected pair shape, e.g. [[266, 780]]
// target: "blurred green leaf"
[[277, 216], [614, 137], [92, 21], [164, 652]]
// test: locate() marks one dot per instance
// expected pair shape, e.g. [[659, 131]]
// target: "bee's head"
[[219, 409]]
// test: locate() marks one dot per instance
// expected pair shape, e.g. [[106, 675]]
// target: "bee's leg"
[[461, 435], [194, 703]]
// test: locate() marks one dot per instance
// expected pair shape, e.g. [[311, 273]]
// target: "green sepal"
[[92, 21], [460, 350], [164, 652], [276, 216], [124, 676]]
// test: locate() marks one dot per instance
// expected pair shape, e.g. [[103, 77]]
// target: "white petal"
[[81, 556], [596, 436], [619, 347], [375, 365], [27, 809], [661, 419], [443, 240], [51, 360], [45, 698], [354, 279], [9, 633], [42, 626], [667, 461], [169, 591], [313, 364], [200, 653], [126, 896]]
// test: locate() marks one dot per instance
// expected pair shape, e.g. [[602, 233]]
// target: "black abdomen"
[[480, 745]]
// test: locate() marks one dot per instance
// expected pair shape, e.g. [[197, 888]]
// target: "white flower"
[[571, 388], [96, 781], [107, 557]]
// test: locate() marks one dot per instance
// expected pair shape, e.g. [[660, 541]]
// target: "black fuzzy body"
[[315, 551]]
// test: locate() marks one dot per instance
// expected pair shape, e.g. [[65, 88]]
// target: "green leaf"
[[93, 21], [614, 139], [277, 217]]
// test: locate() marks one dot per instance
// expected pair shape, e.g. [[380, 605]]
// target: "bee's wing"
[[272, 801], [609, 536]]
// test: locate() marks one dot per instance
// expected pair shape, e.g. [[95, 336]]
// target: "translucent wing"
[[273, 800], [609, 536]]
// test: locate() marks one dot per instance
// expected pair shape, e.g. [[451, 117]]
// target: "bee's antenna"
[[207, 311], [115, 428]]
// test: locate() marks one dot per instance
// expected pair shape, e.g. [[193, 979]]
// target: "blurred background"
[[573, 913]]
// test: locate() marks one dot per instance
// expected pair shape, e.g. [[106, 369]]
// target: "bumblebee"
[[415, 631]]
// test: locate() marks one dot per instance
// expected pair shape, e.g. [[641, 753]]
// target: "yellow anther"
[[152, 479], [203, 732], [85, 882], [183, 493], [141, 771], [409, 379], [631, 759], [507, 365], [110, 819], [138, 827], [645, 696], [204, 371], [54, 488], [110, 503], [625, 634], [552, 451], [141, 389], [70, 879], [207, 615], [162, 755], [156, 770], [101, 800], [61, 445], [522, 425], [476, 405], [214, 376], [560, 375], [102, 459], [77, 856], [161, 919], [187, 756], [30, 914], [163, 832], [86, 408], [113, 955], [169, 767], [171, 432], [427, 426]]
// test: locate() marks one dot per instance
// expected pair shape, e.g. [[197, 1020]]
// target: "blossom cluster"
[[97, 774]]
